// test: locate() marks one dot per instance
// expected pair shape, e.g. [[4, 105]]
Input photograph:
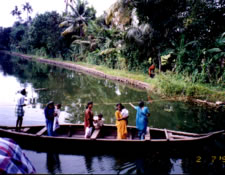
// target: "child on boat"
[[125, 113], [98, 122], [56, 119]]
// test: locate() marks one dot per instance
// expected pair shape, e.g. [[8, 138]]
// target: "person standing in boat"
[[49, 116], [88, 120], [141, 119], [121, 123], [19, 109]]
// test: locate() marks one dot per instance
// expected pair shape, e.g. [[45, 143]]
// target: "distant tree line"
[[183, 36]]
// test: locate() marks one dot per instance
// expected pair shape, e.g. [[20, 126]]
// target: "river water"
[[73, 90]]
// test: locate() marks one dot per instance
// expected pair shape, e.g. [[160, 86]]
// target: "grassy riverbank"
[[169, 84], [166, 84]]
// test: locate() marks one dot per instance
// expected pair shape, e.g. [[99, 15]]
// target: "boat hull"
[[70, 144]]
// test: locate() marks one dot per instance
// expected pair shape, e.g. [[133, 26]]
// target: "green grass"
[[174, 84], [121, 73]]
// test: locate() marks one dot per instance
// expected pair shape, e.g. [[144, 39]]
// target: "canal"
[[73, 90]]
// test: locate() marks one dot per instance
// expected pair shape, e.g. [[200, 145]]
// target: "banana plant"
[[180, 51], [219, 51]]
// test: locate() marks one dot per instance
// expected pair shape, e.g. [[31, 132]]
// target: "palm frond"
[[63, 24], [214, 50], [135, 34], [69, 30], [81, 42], [107, 51]]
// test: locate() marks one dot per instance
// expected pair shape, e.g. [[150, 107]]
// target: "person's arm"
[[117, 114], [101, 123], [21, 101], [132, 105], [45, 111], [124, 118], [89, 118], [147, 112], [24, 102]]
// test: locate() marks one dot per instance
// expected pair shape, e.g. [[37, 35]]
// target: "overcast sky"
[[40, 6]]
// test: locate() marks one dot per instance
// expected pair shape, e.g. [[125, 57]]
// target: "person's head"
[[100, 116], [58, 106], [89, 105], [141, 104], [119, 106], [23, 92], [50, 104]]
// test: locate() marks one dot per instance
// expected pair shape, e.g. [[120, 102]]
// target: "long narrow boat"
[[70, 137]]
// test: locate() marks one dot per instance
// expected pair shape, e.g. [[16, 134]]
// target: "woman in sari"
[[121, 123], [141, 119]]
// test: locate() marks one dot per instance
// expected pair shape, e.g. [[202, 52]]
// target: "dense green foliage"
[[41, 37], [44, 35], [183, 36], [5, 38], [187, 30]]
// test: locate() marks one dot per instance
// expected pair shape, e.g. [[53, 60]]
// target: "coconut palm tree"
[[139, 34], [27, 7], [16, 12], [77, 18]]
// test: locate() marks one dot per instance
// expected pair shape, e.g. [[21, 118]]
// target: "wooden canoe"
[[70, 137]]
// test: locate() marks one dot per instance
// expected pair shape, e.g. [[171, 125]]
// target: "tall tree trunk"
[[67, 3], [159, 59]]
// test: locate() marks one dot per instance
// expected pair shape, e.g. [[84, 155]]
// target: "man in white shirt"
[[19, 109]]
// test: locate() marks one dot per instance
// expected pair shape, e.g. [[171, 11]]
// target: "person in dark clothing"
[[49, 116]]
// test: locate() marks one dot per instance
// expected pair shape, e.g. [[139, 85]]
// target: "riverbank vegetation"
[[184, 39]]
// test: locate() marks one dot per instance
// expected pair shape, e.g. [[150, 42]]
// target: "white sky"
[[40, 6]]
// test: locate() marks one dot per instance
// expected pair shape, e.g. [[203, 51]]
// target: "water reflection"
[[53, 163], [207, 159], [155, 163], [88, 162]]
